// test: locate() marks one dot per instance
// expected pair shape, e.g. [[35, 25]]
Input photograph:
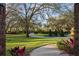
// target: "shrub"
[[60, 45], [67, 46], [16, 51]]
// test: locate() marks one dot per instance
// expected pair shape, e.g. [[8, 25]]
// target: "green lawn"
[[29, 43]]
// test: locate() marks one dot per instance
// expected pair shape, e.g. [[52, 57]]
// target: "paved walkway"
[[48, 50], [36, 36]]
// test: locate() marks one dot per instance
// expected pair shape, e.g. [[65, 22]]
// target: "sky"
[[51, 13]]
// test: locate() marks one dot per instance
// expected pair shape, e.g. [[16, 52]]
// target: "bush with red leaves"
[[17, 51]]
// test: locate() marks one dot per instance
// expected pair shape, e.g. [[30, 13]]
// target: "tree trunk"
[[27, 28], [50, 33], [76, 14], [26, 21], [2, 29]]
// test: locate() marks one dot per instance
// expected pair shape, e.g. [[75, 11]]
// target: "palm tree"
[[2, 29]]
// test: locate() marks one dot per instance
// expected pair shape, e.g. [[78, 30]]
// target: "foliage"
[[67, 46], [61, 23], [17, 51]]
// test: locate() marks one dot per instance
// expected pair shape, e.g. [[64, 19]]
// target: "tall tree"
[[32, 10], [76, 13], [36, 11], [2, 29]]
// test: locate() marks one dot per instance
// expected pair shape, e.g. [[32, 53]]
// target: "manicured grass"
[[30, 43]]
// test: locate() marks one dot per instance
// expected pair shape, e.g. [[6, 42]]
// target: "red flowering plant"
[[71, 43], [17, 51], [67, 46]]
